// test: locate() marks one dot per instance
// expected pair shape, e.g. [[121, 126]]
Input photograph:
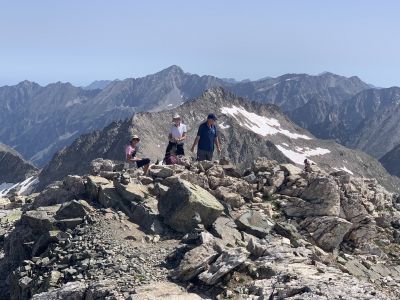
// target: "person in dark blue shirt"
[[207, 137]]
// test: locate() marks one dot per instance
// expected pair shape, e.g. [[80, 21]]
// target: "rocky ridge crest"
[[203, 229]]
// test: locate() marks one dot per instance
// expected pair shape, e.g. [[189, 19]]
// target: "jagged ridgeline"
[[248, 130], [202, 230], [39, 120]]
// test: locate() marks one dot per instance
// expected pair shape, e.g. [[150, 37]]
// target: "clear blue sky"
[[81, 41]]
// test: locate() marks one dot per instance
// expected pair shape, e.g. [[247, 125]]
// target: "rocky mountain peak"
[[173, 70]]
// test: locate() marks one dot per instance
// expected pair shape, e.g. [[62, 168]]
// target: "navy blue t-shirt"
[[207, 137]]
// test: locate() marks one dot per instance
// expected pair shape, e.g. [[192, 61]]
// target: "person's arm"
[[170, 137], [196, 141], [131, 158], [183, 137], [218, 143]]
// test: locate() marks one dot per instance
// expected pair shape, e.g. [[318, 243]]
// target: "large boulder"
[[132, 192], [108, 196], [93, 184], [327, 231], [185, 205], [72, 187], [320, 198], [39, 220], [74, 209]]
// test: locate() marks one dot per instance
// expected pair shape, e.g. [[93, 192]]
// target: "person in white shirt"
[[177, 136]]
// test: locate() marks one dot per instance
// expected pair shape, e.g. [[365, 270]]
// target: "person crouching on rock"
[[207, 136], [131, 157], [177, 136]]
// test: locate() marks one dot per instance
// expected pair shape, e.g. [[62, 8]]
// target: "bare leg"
[[146, 169]]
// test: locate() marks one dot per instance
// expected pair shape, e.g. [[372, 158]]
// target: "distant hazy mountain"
[[37, 121], [369, 121], [98, 85], [248, 130]]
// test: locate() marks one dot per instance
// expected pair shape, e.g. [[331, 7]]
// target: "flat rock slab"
[[254, 223], [165, 291], [132, 192]]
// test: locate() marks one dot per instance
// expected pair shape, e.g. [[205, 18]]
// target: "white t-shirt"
[[177, 131]]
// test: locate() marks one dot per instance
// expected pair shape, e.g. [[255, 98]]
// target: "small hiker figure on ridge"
[[207, 136], [176, 137], [130, 153]]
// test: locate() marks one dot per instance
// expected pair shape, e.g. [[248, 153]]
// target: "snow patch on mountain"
[[223, 126], [344, 169], [67, 135], [23, 188], [259, 124], [299, 154]]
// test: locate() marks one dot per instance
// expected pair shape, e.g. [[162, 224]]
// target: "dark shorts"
[[178, 148], [204, 155], [142, 162]]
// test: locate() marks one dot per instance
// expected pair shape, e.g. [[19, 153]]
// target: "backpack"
[[171, 159]]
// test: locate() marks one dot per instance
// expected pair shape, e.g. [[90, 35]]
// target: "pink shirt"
[[130, 151]]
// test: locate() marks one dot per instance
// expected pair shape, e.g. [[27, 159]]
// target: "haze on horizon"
[[79, 42]]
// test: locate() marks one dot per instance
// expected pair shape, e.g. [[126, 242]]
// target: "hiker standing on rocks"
[[207, 136], [177, 136], [131, 157]]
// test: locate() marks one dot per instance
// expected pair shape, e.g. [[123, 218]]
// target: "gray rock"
[[277, 179], [194, 262], [146, 215], [225, 229], [99, 164], [40, 220], [71, 291], [108, 196], [327, 231], [161, 171], [320, 198], [254, 223], [92, 187], [291, 170], [132, 192], [251, 178], [229, 196], [185, 202], [225, 263], [74, 209]]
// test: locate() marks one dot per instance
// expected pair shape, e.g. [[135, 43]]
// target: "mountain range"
[[248, 129], [38, 121]]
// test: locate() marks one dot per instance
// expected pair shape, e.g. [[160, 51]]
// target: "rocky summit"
[[202, 230]]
